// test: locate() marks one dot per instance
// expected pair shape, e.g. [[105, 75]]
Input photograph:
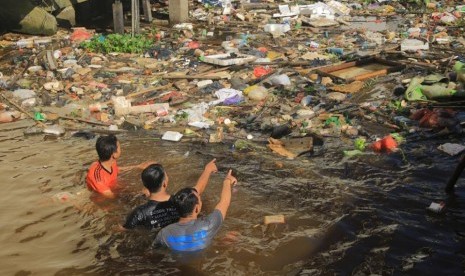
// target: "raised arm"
[[141, 166], [225, 198], [205, 176]]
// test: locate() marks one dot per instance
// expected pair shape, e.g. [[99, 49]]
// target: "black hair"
[[106, 146], [185, 201], [153, 177]]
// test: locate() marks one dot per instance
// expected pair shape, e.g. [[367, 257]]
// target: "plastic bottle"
[[9, 116]]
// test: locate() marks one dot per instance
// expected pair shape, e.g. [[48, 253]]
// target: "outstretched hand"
[[141, 166], [229, 177], [145, 164], [211, 166]]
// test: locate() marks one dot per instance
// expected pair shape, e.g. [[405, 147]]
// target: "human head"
[[154, 178], [108, 147], [188, 202]]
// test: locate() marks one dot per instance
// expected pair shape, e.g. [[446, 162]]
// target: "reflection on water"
[[358, 216]]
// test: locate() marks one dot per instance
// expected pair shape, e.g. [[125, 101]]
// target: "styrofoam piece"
[[277, 28], [227, 59], [199, 124], [451, 149], [285, 11], [123, 107], [172, 136], [317, 10], [24, 94], [339, 7], [413, 45], [261, 60], [204, 83], [55, 130], [436, 207], [184, 26]]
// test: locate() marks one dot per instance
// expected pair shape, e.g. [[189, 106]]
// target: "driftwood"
[[97, 130]]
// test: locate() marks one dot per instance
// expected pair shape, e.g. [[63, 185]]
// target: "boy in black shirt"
[[160, 210]]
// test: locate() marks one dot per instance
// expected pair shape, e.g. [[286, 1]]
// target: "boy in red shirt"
[[102, 174]]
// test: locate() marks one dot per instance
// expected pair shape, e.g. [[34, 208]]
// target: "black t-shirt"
[[153, 214]]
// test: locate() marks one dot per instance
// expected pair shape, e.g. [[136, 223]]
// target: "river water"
[[343, 216]]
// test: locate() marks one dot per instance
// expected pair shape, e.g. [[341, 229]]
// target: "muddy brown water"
[[343, 216]]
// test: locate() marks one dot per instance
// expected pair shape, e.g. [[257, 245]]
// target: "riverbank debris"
[[332, 70]]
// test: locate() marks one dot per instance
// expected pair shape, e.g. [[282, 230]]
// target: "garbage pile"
[[368, 75]]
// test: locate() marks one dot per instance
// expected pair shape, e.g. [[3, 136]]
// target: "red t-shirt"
[[99, 179]]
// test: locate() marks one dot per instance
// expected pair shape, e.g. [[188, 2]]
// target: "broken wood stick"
[[83, 121], [97, 130], [420, 64], [148, 90], [213, 71], [193, 77]]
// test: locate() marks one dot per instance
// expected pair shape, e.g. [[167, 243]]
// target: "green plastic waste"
[[359, 144], [414, 92], [399, 138], [241, 144], [435, 78], [333, 120], [437, 90], [39, 116], [459, 68]]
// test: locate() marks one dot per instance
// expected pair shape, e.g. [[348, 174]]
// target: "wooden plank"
[[331, 68], [379, 73], [362, 69]]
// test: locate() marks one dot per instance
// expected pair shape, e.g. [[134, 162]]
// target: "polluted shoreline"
[[348, 116]]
